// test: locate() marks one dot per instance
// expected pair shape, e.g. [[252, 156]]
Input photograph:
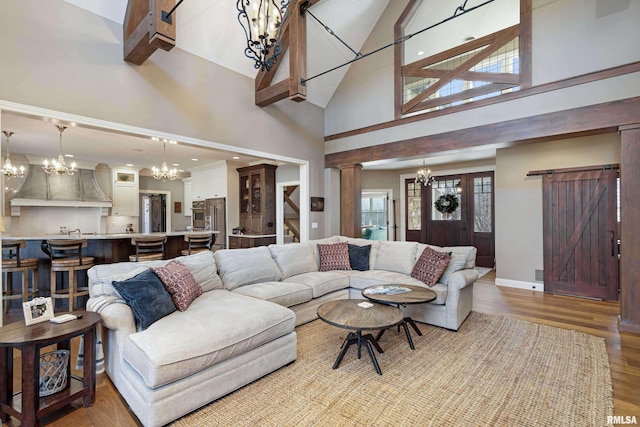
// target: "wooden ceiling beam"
[[294, 39], [145, 31]]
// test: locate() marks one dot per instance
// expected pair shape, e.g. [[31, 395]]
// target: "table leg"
[[406, 331], [6, 379], [89, 367], [30, 385], [357, 338], [410, 321]]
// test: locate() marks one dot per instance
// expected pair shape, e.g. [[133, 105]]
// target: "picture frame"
[[37, 310], [317, 204]]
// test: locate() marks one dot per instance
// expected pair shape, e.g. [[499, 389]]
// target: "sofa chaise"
[[242, 326]]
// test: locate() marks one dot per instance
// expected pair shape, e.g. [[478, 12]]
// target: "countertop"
[[252, 236], [106, 236]]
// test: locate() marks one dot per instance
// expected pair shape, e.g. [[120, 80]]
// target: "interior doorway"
[[377, 214], [154, 217]]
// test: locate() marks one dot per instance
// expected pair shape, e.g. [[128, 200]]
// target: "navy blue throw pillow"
[[359, 257], [146, 296]]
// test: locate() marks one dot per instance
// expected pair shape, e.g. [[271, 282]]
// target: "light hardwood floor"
[[592, 317]]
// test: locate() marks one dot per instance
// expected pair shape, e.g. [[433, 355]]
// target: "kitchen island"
[[105, 248]]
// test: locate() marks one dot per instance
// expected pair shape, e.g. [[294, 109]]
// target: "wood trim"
[[477, 76], [578, 169], [273, 93], [599, 118], [632, 67], [469, 93], [297, 54], [398, 54], [525, 49], [144, 31], [350, 201], [497, 41], [630, 229]]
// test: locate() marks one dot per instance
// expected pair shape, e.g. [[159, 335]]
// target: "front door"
[[580, 233], [471, 223]]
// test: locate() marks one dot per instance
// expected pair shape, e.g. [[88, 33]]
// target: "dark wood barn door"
[[580, 233]]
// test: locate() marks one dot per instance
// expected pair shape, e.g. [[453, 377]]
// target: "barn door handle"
[[612, 243]]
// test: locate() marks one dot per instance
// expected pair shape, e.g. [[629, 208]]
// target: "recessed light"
[[420, 53], [175, 164], [195, 160], [174, 142], [155, 138], [236, 158], [73, 124], [68, 155], [129, 164]]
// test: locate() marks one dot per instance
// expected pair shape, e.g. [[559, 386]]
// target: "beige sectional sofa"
[[242, 327]]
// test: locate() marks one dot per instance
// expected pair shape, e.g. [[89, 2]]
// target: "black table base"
[[357, 338], [405, 321]]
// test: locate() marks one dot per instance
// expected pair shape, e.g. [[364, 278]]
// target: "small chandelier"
[[262, 21], [8, 169], [59, 166], [164, 173], [424, 175]]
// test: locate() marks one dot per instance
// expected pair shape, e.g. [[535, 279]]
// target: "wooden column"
[[630, 229], [350, 201]]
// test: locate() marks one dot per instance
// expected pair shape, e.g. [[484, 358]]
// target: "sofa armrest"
[[462, 278], [115, 314]]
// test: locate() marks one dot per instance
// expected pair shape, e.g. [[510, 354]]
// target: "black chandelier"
[[262, 21]]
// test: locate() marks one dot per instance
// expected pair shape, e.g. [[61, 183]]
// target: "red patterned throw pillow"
[[179, 282], [334, 256], [430, 266]]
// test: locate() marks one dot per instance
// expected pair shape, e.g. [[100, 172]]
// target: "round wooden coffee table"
[[416, 295], [347, 314]]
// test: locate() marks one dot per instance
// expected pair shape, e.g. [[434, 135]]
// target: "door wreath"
[[447, 203]]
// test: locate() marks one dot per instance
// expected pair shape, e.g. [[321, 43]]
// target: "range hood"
[[78, 190]]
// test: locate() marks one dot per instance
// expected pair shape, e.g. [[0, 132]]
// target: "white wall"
[[518, 198], [570, 38], [60, 57]]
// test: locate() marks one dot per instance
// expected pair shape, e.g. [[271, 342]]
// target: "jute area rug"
[[492, 372]]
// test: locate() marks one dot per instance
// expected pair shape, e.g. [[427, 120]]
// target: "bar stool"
[[198, 243], [148, 248], [66, 256], [13, 263]]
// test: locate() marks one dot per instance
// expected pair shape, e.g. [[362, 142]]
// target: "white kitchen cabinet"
[[207, 183], [188, 197], [126, 189]]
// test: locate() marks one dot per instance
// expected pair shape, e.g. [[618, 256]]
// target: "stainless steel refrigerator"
[[216, 220]]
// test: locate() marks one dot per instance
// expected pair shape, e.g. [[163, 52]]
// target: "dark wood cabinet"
[[240, 242], [258, 199]]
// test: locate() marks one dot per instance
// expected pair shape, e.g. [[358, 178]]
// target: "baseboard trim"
[[531, 286]]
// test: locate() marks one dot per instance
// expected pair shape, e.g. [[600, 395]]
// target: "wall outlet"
[[539, 275], [314, 225]]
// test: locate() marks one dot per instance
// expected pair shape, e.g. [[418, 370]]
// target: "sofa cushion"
[[294, 258], [324, 282], [218, 326], [469, 252], [359, 257], [239, 267], [396, 256], [430, 266], [456, 263], [146, 296], [180, 284], [375, 244], [203, 268], [334, 256], [325, 241], [285, 294]]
